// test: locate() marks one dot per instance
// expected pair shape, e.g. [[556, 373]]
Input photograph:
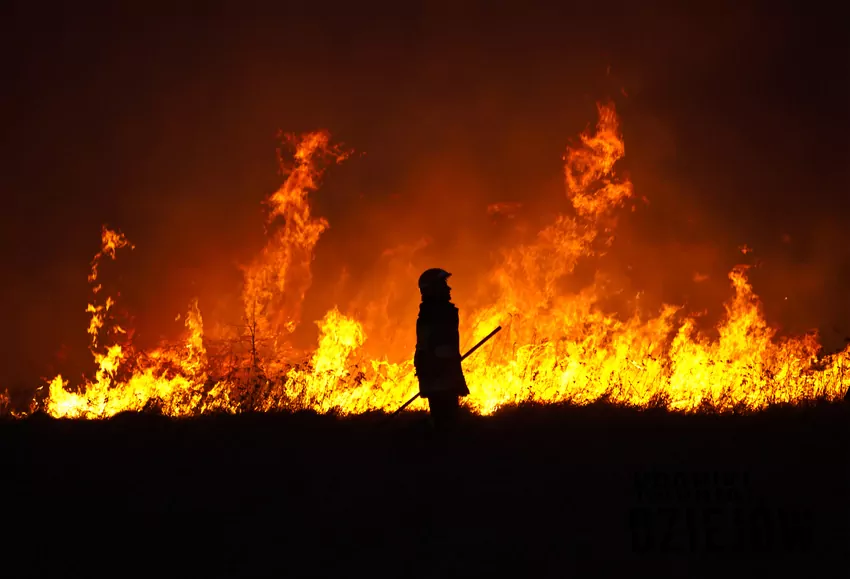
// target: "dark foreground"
[[531, 492]]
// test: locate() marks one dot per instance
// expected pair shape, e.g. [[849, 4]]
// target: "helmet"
[[432, 278]]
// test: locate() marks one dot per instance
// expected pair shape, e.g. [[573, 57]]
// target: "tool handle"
[[481, 343], [462, 358]]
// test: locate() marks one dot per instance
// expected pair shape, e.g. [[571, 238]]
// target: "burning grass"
[[556, 348]]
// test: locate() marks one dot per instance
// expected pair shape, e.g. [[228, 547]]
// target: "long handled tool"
[[462, 358]]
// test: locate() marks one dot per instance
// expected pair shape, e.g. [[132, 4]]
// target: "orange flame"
[[278, 279], [111, 241], [555, 346]]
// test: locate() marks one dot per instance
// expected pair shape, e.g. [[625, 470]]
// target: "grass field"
[[554, 491]]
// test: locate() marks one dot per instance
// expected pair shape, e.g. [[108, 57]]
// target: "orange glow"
[[554, 346]]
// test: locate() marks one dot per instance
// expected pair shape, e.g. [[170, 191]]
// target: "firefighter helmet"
[[432, 278]]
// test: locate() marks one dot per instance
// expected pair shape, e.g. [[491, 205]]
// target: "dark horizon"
[[163, 126]]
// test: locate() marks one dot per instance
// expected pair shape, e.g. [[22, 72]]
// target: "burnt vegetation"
[[534, 490]]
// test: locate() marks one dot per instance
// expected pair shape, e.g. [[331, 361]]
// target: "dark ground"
[[530, 492]]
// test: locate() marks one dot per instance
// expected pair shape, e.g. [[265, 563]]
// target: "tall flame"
[[278, 279], [556, 346], [111, 241]]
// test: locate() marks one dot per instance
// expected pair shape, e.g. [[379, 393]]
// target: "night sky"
[[161, 122]]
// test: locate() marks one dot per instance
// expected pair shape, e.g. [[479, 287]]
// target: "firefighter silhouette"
[[437, 359]]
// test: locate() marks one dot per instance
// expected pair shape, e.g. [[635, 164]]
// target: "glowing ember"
[[554, 347]]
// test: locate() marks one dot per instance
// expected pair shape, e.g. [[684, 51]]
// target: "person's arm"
[[420, 357]]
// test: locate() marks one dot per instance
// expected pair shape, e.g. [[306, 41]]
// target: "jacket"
[[437, 357]]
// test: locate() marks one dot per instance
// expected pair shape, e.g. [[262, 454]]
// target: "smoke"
[[172, 139]]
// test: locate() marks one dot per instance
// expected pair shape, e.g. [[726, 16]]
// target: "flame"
[[554, 347], [110, 242], [278, 279], [5, 402]]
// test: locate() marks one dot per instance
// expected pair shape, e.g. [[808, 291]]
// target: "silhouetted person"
[[437, 357]]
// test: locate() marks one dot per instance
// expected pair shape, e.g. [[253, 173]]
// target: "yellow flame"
[[554, 347]]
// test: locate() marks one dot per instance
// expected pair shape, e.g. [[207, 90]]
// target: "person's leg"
[[436, 407], [452, 410], [444, 410]]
